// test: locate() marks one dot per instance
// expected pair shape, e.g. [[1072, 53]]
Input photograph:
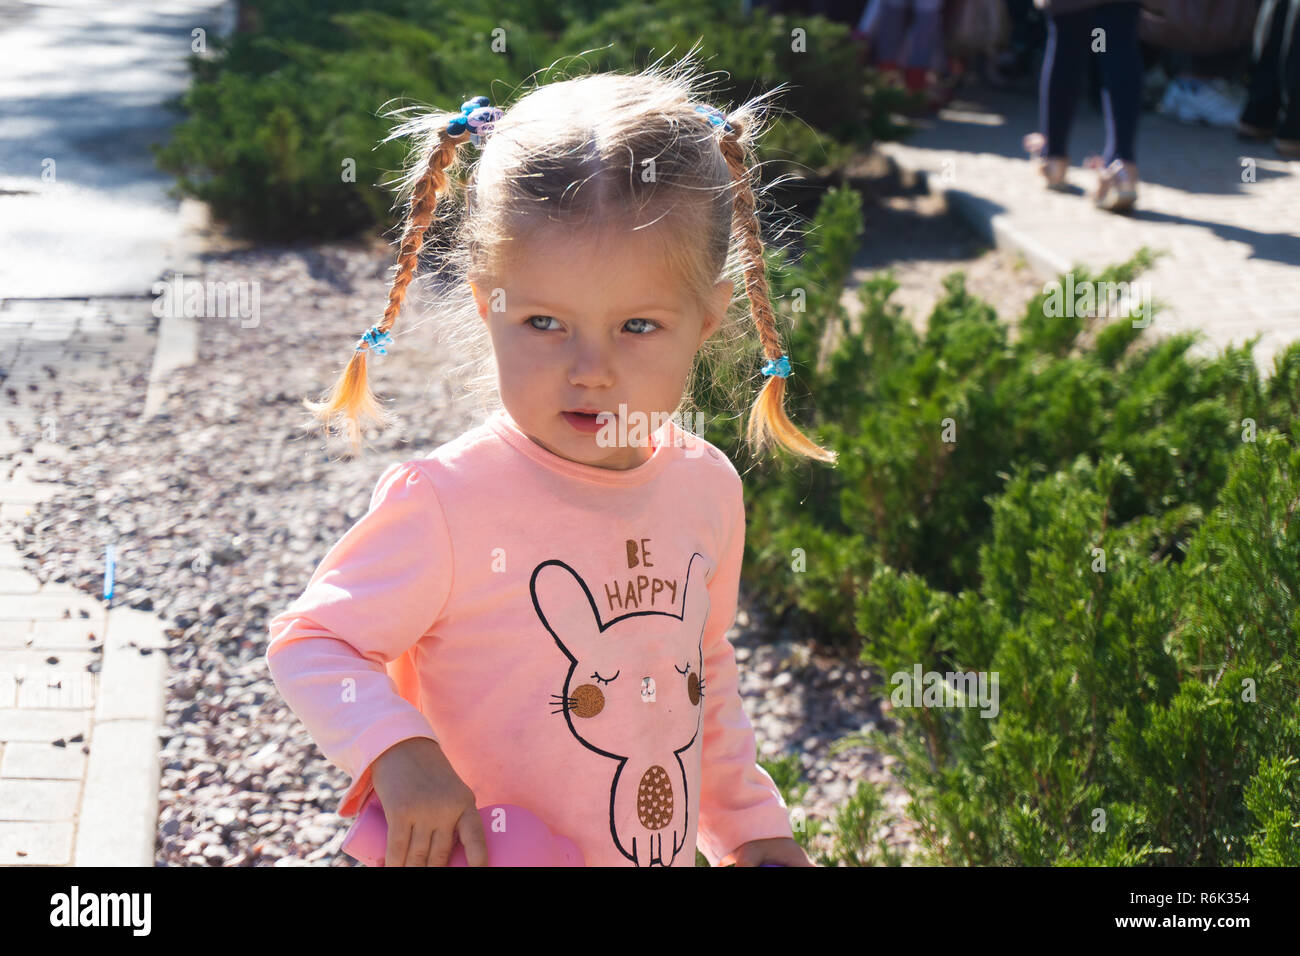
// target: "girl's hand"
[[426, 806], [781, 850]]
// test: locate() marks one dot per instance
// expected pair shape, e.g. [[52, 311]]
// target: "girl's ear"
[[717, 308], [479, 301]]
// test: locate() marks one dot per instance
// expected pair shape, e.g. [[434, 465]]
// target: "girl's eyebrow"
[[533, 303]]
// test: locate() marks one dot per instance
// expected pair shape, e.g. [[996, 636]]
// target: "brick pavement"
[[91, 227], [1233, 267], [52, 636]]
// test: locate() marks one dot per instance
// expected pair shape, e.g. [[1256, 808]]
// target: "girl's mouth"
[[587, 423]]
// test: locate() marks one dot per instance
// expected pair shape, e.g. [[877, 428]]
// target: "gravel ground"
[[223, 505], [912, 232]]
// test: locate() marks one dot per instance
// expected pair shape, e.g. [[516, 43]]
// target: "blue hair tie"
[[476, 117], [715, 117], [375, 339], [780, 367]]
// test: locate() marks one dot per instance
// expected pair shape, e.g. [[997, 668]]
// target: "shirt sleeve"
[[739, 801], [376, 593]]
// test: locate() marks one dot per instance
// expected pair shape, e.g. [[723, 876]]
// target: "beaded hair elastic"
[[477, 117], [779, 367], [375, 339]]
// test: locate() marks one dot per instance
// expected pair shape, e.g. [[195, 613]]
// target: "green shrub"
[[928, 427], [272, 118], [1273, 798], [855, 830], [787, 773], [1109, 526], [1146, 710]]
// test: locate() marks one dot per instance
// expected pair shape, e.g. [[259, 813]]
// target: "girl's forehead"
[[559, 257], [573, 241]]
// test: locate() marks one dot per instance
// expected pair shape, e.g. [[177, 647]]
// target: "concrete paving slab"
[[44, 726], [1232, 246], [42, 761], [39, 799], [24, 843]]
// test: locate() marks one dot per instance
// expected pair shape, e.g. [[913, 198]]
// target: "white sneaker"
[[1196, 101], [1171, 103]]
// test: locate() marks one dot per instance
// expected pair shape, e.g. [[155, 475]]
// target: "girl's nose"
[[590, 369], [648, 690]]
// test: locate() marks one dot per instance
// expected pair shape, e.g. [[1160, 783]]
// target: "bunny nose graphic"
[[648, 690]]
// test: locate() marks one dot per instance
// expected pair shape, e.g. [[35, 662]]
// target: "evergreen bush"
[[1107, 525], [275, 116]]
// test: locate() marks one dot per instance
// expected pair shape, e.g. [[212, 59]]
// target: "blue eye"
[[652, 325]]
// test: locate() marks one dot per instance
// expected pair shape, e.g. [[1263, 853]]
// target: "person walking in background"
[[1273, 102], [907, 39], [1017, 60], [1076, 29]]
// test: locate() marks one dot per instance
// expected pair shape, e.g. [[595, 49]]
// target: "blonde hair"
[[595, 131]]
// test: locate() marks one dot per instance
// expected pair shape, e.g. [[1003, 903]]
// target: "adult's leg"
[[1121, 78], [1021, 14], [1063, 63], [1264, 95], [1026, 38], [1288, 126]]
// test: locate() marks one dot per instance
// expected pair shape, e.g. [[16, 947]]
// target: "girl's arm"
[[739, 802], [377, 591]]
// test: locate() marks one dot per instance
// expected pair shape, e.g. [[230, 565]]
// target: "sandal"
[[1051, 168], [1116, 185]]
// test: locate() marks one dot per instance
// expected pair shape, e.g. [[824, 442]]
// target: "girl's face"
[[594, 325]]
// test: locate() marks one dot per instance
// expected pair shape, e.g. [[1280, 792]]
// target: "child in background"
[[558, 581], [907, 36]]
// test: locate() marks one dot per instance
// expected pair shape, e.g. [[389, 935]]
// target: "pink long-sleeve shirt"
[[558, 628]]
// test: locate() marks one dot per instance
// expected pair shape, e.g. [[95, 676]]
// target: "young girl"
[[535, 613]]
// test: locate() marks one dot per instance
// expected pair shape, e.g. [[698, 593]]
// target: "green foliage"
[[1273, 797], [856, 827], [787, 773], [929, 426], [1108, 526], [1146, 710], [272, 117]]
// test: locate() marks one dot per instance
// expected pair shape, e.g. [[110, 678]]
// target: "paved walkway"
[[89, 228], [82, 88], [79, 702], [1233, 267]]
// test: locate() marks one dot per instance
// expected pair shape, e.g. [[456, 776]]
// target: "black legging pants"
[[1070, 42], [1275, 83]]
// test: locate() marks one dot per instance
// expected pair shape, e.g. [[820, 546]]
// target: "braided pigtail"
[[767, 419], [351, 395]]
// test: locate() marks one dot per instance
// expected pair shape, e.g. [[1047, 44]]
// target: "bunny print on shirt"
[[634, 692]]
